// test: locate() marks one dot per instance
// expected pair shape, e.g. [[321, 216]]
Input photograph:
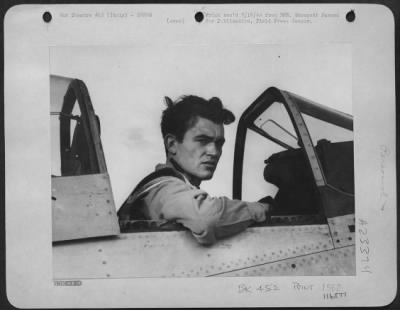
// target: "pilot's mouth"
[[211, 164]]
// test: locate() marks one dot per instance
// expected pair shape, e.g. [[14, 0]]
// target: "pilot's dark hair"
[[182, 114]]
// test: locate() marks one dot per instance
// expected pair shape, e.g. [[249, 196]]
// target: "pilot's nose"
[[214, 150]]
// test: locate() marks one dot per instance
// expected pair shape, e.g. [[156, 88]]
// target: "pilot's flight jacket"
[[175, 199]]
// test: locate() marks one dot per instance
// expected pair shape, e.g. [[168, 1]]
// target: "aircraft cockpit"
[[307, 153], [290, 151]]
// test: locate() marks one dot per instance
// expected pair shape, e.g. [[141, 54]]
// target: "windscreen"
[[322, 130]]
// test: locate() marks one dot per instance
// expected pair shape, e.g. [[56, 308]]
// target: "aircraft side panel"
[[343, 230], [177, 254], [337, 262], [82, 207]]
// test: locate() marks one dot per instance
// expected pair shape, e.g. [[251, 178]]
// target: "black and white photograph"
[[226, 149], [281, 201]]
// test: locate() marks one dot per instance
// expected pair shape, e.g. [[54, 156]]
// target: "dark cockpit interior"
[[289, 171]]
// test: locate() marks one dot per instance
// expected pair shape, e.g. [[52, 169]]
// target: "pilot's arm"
[[208, 218]]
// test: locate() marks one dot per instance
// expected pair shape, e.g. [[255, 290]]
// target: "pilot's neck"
[[191, 178]]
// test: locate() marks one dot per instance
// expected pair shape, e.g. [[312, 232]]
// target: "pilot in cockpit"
[[193, 135]]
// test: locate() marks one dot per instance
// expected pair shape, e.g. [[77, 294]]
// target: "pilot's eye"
[[203, 140], [219, 144]]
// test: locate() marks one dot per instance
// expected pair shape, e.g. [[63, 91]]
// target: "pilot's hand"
[[271, 204]]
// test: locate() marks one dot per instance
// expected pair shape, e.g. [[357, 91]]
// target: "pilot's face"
[[200, 149]]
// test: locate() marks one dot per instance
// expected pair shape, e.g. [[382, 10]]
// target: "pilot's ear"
[[170, 143]]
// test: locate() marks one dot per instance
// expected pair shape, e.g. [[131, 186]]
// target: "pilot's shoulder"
[[169, 185]]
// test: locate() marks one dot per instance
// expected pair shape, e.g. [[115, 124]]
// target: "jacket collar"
[[169, 165]]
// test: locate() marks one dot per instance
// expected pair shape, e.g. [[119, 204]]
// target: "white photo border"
[[28, 216]]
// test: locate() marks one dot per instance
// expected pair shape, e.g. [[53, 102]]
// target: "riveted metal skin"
[[337, 262], [177, 254], [305, 137], [343, 230], [83, 207]]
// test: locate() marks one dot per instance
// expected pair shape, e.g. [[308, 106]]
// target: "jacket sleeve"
[[208, 218]]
